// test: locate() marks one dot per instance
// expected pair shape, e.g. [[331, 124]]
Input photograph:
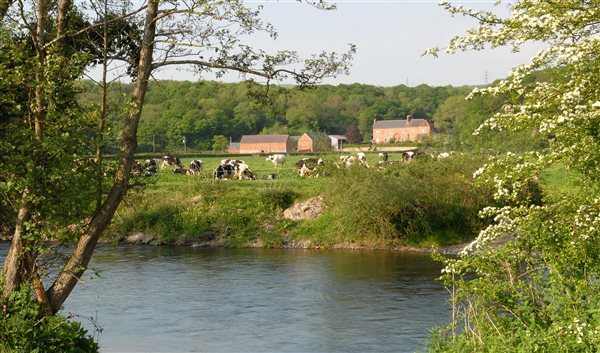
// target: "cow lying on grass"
[[171, 161], [197, 166], [149, 168]]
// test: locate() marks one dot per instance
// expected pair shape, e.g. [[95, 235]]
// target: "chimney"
[[374, 121], [408, 118]]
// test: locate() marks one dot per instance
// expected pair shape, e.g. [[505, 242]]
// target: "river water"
[[178, 299]]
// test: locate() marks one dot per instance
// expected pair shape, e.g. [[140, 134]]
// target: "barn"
[[337, 141], [234, 148], [386, 131], [266, 144], [313, 142]]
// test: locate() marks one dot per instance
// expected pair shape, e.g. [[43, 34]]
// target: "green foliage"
[[277, 197], [424, 200], [220, 143], [201, 110], [23, 329], [529, 281]]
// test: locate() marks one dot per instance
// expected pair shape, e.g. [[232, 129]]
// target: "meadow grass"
[[558, 182]]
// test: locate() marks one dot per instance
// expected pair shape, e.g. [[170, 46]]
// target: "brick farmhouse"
[[266, 144], [387, 131], [313, 142]]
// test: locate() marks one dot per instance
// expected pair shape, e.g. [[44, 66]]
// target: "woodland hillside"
[[199, 111]]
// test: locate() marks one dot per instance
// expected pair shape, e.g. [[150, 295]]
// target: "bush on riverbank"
[[23, 329], [422, 202]]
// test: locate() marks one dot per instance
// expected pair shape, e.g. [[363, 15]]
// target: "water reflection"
[[260, 300]]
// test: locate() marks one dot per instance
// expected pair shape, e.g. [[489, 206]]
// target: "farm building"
[[313, 142], [337, 141], [266, 144], [295, 142], [386, 131], [234, 148]]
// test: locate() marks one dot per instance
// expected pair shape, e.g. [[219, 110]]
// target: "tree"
[[449, 112], [52, 128], [539, 290], [353, 134], [220, 143]]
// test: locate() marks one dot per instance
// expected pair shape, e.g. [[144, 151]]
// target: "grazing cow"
[[223, 171], [362, 158], [233, 169], [308, 166], [169, 161], [271, 176], [383, 156], [197, 166], [276, 159]]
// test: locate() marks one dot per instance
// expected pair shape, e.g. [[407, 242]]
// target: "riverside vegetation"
[[424, 202]]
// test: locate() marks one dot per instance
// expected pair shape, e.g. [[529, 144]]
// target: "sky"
[[390, 36]]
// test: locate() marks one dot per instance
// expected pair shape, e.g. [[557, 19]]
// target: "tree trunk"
[[61, 17], [14, 259], [79, 260], [18, 254]]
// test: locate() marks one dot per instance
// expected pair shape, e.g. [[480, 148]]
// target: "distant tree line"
[[199, 111]]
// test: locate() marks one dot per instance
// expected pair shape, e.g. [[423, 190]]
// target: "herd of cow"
[[238, 169]]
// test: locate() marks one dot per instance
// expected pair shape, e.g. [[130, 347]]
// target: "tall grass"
[[424, 201]]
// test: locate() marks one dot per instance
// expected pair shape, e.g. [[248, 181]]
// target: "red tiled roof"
[[264, 139]]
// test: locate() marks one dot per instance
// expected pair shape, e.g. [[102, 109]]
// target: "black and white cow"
[[146, 169], [179, 170], [233, 169], [171, 161], [150, 167], [383, 156], [407, 156], [362, 159], [197, 166], [276, 159], [308, 166], [347, 161]]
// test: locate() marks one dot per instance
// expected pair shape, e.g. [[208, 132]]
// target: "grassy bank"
[[423, 202]]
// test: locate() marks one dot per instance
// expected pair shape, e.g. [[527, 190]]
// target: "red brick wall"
[[305, 144], [263, 147], [399, 134]]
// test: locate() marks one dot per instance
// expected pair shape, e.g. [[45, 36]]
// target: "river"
[[179, 299]]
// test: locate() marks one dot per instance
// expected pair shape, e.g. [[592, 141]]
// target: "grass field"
[[421, 202], [286, 175]]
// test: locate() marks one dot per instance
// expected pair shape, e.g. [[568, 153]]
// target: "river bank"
[[142, 239]]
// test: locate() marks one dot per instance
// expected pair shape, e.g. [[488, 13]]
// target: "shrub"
[[23, 329], [408, 202]]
